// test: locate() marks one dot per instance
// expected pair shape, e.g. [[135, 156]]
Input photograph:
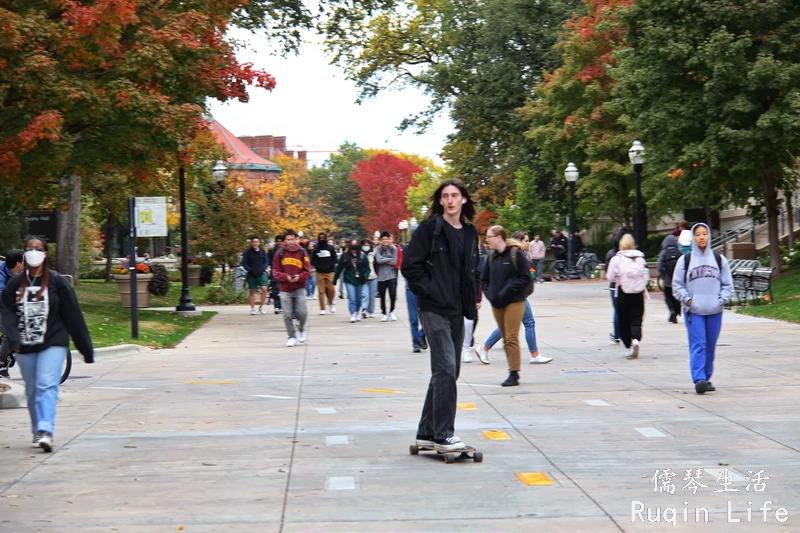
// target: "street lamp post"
[[637, 157], [572, 174], [424, 210], [376, 235], [402, 226], [185, 306], [219, 171]]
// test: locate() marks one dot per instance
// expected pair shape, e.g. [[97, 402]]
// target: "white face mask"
[[34, 258]]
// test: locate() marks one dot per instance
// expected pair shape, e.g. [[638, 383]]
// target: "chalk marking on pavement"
[[496, 434], [651, 433], [481, 385], [719, 472], [341, 483], [383, 391], [337, 440], [598, 403], [326, 410], [274, 397], [120, 388], [467, 406], [204, 382], [534, 478]]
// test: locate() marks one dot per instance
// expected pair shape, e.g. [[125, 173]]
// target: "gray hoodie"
[[706, 286], [385, 260]]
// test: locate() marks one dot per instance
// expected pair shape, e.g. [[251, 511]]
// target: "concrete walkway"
[[231, 431]]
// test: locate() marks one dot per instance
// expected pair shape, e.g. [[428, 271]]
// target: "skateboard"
[[449, 457]]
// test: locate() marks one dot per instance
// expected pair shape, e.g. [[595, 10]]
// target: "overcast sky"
[[314, 106]]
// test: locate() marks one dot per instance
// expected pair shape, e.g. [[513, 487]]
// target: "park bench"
[[751, 281]]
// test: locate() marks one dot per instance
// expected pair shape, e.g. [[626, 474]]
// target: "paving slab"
[[232, 431]]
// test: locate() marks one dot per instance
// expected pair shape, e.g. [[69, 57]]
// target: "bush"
[[225, 295], [159, 285]]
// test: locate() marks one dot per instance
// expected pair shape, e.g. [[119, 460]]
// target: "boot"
[[512, 380]]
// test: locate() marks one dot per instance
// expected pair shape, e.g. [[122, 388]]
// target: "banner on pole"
[[151, 216]]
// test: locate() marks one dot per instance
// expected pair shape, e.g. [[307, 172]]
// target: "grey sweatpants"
[[294, 307]]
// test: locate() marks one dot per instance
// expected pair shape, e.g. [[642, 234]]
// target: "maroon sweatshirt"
[[293, 263]]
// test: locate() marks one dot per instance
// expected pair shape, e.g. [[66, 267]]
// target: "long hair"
[[45, 272], [467, 209]]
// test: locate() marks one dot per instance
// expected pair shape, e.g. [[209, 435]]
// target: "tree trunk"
[[108, 245], [708, 212], [771, 205], [69, 226], [790, 220]]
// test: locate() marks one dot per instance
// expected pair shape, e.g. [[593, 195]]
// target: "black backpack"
[[531, 281], [673, 253]]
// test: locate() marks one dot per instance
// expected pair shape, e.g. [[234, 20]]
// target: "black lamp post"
[[637, 157], [572, 174], [185, 306]]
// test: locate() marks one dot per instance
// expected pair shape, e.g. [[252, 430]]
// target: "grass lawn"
[[786, 291], [110, 323]]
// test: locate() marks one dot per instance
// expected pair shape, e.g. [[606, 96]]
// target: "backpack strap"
[[437, 230]]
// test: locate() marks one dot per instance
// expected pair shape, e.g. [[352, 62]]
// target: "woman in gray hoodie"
[[702, 282]]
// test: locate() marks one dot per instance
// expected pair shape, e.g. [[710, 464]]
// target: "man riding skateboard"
[[441, 268]]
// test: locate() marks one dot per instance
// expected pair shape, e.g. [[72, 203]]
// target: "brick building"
[[245, 161]]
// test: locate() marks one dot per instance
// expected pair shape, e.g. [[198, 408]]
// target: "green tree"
[[331, 184], [714, 90]]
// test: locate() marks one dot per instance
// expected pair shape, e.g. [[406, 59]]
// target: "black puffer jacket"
[[433, 280], [501, 282]]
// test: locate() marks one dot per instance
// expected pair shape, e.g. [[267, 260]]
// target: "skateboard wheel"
[[449, 458], [477, 457], [413, 449]]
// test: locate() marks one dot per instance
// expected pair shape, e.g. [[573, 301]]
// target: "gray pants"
[[294, 307], [5, 347], [445, 336]]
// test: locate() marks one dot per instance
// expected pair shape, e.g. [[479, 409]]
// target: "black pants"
[[445, 336], [673, 305], [390, 284], [630, 311]]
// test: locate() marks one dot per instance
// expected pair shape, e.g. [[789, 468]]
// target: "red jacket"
[[291, 263]]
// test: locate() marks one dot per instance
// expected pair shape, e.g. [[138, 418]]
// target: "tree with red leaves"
[[383, 181]]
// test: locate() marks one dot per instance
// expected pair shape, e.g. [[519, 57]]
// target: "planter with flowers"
[[123, 278]]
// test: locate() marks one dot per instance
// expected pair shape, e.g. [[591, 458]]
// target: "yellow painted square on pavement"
[[534, 478], [204, 382], [384, 391], [496, 434], [467, 406]]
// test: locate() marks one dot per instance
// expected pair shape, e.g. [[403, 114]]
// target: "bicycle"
[[586, 264], [11, 360], [559, 270]]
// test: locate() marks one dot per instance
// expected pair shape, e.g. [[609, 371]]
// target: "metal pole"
[[571, 230], [641, 232], [132, 268], [186, 300]]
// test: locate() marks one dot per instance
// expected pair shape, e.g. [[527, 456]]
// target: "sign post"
[[132, 223]]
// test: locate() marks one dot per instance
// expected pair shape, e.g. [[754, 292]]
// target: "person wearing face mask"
[[9, 268], [702, 282], [370, 289], [355, 265], [40, 312]]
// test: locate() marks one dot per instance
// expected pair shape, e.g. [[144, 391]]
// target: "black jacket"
[[62, 319], [560, 253], [501, 282], [428, 267], [323, 258], [255, 263]]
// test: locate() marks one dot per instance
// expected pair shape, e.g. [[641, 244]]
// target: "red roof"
[[243, 157]]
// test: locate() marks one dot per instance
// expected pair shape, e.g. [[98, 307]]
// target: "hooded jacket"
[[708, 287], [293, 263], [685, 240], [669, 246], [636, 255], [500, 281], [323, 257], [385, 261]]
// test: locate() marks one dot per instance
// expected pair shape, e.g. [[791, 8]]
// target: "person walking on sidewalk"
[[254, 261], [536, 253], [628, 270], [702, 282], [441, 268], [418, 340], [274, 285], [504, 281], [667, 259], [40, 312], [9, 268], [292, 268], [355, 265], [311, 284], [323, 258], [385, 262], [370, 289], [344, 246]]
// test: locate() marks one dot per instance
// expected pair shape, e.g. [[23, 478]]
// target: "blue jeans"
[[530, 331], [42, 374], [368, 295], [354, 296], [538, 266], [413, 318], [311, 285], [703, 334], [614, 306]]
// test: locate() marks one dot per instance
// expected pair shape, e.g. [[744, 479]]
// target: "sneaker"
[[385, 318], [276, 311], [417, 349], [341, 296], [323, 312], [483, 355], [629, 353], [701, 386], [425, 441], [392, 316], [466, 355], [358, 317], [453, 444], [352, 318], [710, 387], [539, 359], [261, 310], [333, 308], [363, 313], [635, 346], [280, 311], [371, 315], [46, 442], [253, 311], [37, 437], [613, 339], [512, 380], [291, 343], [301, 337], [4, 372], [423, 342]]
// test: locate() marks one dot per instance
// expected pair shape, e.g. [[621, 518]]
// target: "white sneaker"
[[483, 355], [353, 318], [629, 353], [466, 355], [392, 316], [253, 311], [635, 348], [291, 343], [333, 308], [371, 315], [358, 317], [323, 312], [301, 337], [540, 359], [262, 310], [385, 318]]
